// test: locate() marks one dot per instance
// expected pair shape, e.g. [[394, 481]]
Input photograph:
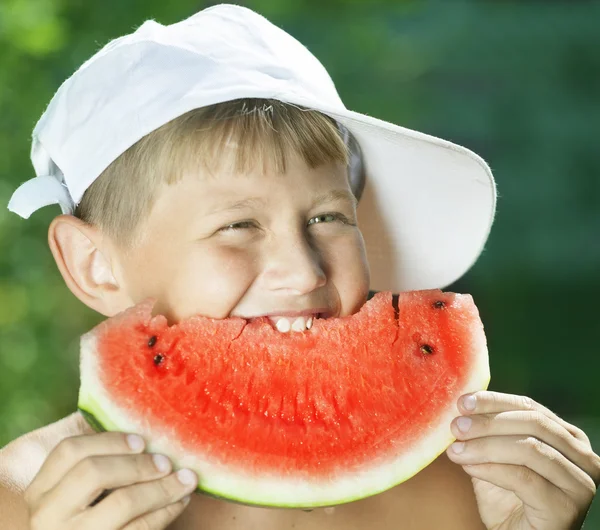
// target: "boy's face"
[[280, 258]]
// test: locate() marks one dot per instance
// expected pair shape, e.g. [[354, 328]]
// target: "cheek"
[[202, 281], [349, 272], [212, 282], [350, 256]]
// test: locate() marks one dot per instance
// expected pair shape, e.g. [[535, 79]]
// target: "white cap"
[[427, 205]]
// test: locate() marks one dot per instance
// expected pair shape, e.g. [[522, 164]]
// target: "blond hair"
[[263, 131]]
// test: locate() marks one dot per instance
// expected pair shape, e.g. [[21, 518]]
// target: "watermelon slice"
[[342, 411]]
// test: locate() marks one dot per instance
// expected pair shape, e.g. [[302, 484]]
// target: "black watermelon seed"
[[152, 341], [439, 304], [426, 348], [158, 359]]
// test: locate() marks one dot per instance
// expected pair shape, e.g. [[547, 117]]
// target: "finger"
[[91, 477], [540, 497], [159, 519], [72, 450], [487, 401], [528, 452], [528, 423], [124, 505]]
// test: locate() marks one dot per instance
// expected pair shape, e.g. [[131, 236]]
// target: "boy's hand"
[[530, 469], [81, 468]]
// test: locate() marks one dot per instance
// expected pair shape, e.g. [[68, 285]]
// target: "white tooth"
[[309, 323], [283, 325], [299, 324]]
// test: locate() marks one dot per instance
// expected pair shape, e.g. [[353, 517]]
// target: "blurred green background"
[[517, 82]]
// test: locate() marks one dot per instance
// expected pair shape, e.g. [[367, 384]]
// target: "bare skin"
[[440, 496]]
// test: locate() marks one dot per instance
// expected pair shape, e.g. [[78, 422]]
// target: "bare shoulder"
[[22, 458]]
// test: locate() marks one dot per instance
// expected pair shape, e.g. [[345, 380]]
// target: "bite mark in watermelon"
[[345, 410]]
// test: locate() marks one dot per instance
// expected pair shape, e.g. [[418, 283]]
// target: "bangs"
[[251, 134]]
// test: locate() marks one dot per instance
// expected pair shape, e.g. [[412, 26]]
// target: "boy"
[[211, 165]]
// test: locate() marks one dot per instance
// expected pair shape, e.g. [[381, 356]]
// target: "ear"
[[84, 259]]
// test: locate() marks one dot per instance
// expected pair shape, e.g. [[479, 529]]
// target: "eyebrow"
[[257, 202]]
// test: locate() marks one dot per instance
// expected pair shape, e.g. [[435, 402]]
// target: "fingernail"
[[186, 476], [458, 447], [464, 423], [469, 402], [186, 500], [135, 442], [161, 462]]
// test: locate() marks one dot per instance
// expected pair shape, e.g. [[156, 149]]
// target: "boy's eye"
[[323, 218], [236, 226]]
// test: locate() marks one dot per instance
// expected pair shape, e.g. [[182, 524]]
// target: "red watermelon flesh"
[[347, 409]]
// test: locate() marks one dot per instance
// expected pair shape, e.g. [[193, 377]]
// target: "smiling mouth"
[[285, 324]]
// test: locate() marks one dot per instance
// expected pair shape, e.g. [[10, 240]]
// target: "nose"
[[292, 265]]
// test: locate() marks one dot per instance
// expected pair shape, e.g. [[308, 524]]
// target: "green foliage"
[[517, 82], [33, 26]]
